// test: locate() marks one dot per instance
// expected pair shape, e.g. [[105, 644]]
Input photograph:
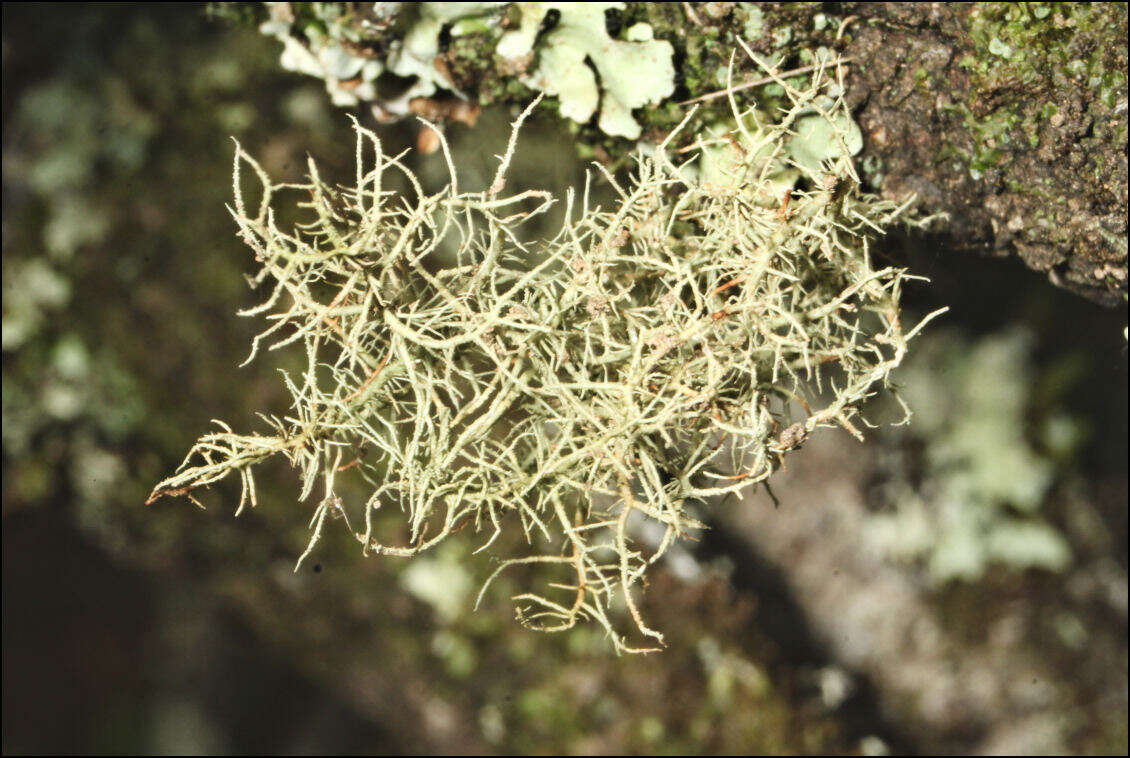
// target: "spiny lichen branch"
[[646, 357]]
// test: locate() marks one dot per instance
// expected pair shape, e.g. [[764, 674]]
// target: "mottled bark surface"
[[1027, 158], [965, 681], [1009, 118]]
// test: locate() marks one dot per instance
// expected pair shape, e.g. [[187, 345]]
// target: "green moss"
[[1036, 49], [1010, 40], [1046, 74]]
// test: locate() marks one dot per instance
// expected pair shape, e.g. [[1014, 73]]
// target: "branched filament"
[[646, 357]]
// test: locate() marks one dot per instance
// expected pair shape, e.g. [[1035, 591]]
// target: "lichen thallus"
[[549, 392]]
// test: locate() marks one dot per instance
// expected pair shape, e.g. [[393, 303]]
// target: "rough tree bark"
[[962, 678], [1008, 117], [1027, 158]]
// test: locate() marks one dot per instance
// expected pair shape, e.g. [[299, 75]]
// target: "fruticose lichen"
[[818, 133], [653, 356]]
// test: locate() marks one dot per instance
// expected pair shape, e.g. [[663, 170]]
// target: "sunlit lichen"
[[415, 56], [635, 71], [349, 78]]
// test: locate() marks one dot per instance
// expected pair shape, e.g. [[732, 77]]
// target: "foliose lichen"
[[350, 78], [577, 61], [633, 72], [983, 482]]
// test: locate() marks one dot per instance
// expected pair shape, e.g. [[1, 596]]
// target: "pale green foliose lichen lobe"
[[577, 61]]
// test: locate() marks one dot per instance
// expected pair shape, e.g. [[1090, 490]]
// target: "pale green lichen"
[[996, 47], [983, 483], [33, 291], [350, 79], [824, 136], [651, 355], [324, 50], [819, 137], [755, 20], [633, 73], [415, 56]]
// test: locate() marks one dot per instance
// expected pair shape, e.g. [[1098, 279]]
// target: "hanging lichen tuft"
[[653, 355]]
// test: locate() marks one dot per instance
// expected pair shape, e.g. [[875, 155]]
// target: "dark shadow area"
[[92, 666]]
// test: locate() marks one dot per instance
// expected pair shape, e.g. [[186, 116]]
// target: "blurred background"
[[957, 585]]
